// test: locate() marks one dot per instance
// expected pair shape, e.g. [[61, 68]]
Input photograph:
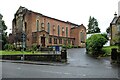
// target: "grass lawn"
[[107, 49], [5, 52]]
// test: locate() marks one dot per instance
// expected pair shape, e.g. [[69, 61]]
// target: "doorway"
[[43, 41]]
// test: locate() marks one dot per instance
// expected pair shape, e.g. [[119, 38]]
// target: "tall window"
[[55, 40], [82, 36], [60, 41], [69, 41], [50, 40], [58, 30], [34, 36], [25, 27], [65, 41], [48, 27], [37, 25], [66, 31]]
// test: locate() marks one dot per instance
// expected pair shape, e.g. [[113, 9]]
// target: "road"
[[80, 66]]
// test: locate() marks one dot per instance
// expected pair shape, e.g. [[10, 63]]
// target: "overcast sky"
[[76, 11]]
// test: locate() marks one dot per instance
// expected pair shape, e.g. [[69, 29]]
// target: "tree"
[[3, 34], [95, 43], [108, 30], [93, 26]]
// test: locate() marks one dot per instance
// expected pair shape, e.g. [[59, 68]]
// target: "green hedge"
[[95, 43]]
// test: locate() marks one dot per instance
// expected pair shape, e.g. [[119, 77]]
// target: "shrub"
[[76, 46], [69, 46], [95, 43], [64, 46], [34, 47], [9, 47]]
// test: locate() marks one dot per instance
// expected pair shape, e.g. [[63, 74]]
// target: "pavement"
[[36, 62]]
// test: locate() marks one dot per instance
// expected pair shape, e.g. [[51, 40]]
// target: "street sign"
[[57, 48]]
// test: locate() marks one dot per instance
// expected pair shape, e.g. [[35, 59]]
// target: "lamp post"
[[23, 44], [23, 38]]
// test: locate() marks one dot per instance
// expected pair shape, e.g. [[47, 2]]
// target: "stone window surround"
[[37, 25]]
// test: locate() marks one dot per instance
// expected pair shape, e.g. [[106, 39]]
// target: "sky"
[[75, 11]]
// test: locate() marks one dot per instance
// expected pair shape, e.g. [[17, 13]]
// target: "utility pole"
[[23, 39]]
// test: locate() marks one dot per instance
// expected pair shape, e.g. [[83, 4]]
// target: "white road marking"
[[65, 73], [83, 75], [18, 68]]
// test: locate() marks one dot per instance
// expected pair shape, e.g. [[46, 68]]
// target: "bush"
[[95, 43], [34, 47], [76, 46], [64, 46], [69, 46], [9, 47]]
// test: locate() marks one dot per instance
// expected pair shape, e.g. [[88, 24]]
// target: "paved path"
[[78, 57]]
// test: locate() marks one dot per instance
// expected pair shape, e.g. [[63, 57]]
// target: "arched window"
[[48, 27], [37, 25], [66, 31], [25, 26], [82, 36], [58, 30]]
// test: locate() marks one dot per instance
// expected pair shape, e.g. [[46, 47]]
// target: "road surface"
[[80, 66]]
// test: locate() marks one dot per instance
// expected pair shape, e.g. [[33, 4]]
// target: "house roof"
[[114, 20], [55, 18], [49, 17], [78, 26]]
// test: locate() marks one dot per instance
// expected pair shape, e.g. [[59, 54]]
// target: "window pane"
[[55, 40], [58, 30], [66, 31], [48, 27], [50, 40], [82, 37], [60, 41], [37, 25]]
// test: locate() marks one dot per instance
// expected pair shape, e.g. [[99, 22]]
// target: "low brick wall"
[[46, 49], [34, 57], [115, 56]]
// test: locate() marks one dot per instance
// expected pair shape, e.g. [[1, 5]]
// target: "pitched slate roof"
[[48, 16], [114, 20]]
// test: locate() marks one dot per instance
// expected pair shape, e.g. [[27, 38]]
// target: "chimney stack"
[[115, 15]]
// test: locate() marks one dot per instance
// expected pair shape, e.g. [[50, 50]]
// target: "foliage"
[[108, 30], [105, 35], [34, 47], [63, 46], [95, 43], [9, 47], [69, 46], [107, 50], [3, 36], [6, 52], [93, 26]]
